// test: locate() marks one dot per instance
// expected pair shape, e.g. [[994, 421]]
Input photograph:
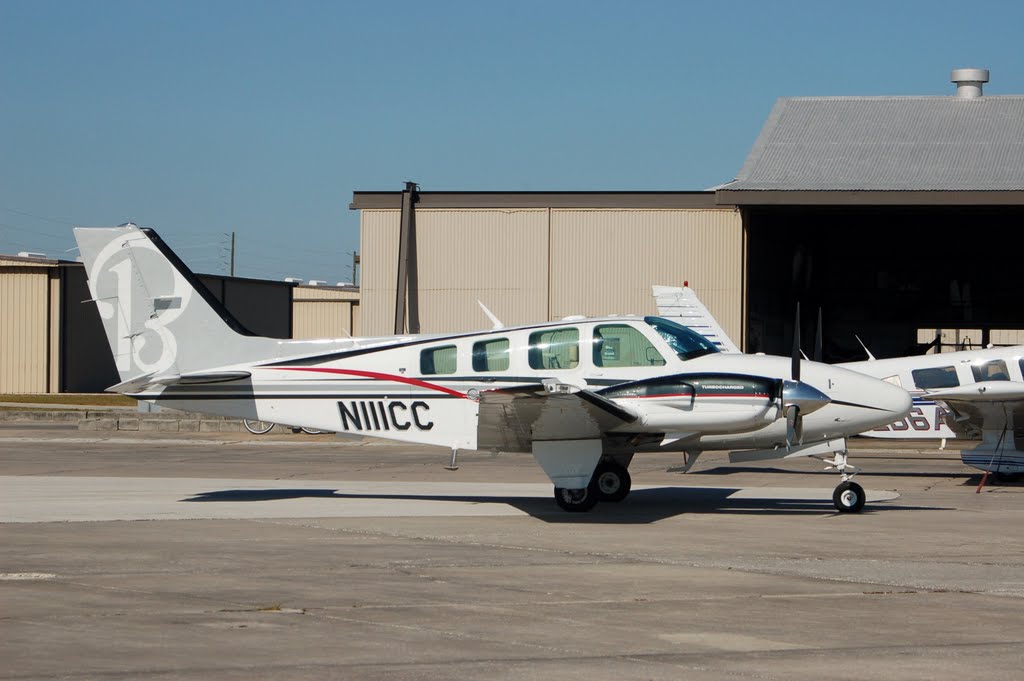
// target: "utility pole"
[[232, 253]]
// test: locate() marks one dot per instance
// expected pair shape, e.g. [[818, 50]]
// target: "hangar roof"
[[887, 144], [548, 199]]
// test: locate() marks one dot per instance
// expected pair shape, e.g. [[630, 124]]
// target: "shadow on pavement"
[[643, 505]]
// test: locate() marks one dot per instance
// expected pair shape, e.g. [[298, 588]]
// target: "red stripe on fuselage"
[[376, 376]]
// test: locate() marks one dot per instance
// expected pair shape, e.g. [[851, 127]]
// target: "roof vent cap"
[[969, 82]]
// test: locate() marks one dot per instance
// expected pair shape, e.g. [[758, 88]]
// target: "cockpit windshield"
[[685, 343]]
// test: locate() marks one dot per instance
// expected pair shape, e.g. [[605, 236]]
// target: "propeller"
[[794, 371], [817, 340], [799, 398]]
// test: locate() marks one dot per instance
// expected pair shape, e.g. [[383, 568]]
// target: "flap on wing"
[[511, 419]]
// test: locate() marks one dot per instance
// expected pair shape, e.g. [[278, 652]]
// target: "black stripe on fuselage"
[[854, 404]]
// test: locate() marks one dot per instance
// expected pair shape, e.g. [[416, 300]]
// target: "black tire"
[[312, 431], [577, 500], [848, 497], [612, 481], [257, 427]]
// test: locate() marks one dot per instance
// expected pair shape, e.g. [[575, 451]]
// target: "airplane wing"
[[682, 305], [979, 407], [512, 419]]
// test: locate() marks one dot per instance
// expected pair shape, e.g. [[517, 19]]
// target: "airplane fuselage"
[[427, 389]]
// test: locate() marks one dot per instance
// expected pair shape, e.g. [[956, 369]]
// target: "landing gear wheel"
[[612, 481], [848, 497], [577, 500], [312, 431], [258, 427]]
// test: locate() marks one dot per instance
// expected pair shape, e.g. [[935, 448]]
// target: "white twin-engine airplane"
[[583, 395], [968, 394]]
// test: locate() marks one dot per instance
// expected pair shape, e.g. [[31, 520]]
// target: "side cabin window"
[[935, 377], [990, 371], [491, 355], [621, 345], [440, 360], [555, 348]]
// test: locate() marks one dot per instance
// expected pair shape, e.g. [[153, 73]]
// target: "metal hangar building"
[[899, 217]]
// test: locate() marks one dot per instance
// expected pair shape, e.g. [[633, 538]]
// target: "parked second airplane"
[[970, 394], [583, 395]]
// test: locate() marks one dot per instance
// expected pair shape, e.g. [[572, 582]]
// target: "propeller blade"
[[817, 340], [796, 400], [795, 370], [794, 426]]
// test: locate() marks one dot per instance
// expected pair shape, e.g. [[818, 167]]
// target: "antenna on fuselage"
[[871, 358], [490, 315]]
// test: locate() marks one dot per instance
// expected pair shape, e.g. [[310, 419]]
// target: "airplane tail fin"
[[155, 311], [681, 304]]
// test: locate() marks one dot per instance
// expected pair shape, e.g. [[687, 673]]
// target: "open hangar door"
[[884, 274]]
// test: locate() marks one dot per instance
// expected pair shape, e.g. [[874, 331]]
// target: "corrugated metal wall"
[[378, 272], [499, 257], [604, 261], [530, 265], [324, 312], [25, 329]]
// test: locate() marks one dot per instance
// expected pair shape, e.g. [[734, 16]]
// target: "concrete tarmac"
[[299, 557]]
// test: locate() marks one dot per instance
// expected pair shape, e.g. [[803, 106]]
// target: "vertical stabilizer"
[[158, 317], [681, 304]]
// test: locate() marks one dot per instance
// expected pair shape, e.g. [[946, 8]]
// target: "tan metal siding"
[[378, 270], [496, 256], [24, 346], [604, 261], [322, 312]]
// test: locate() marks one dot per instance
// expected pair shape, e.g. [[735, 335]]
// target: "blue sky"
[[199, 118]]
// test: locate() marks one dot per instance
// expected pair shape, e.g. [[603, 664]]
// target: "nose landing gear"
[[848, 496]]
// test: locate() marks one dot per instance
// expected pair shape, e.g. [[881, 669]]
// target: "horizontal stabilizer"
[[138, 384]]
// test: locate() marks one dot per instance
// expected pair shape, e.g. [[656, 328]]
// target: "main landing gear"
[[848, 496], [610, 482]]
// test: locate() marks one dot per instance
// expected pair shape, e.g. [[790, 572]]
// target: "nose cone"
[[887, 402], [899, 402]]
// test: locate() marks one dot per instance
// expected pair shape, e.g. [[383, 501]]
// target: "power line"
[[38, 217], [31, 230]]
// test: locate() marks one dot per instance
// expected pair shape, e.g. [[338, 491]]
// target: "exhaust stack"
[[969, 82]]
